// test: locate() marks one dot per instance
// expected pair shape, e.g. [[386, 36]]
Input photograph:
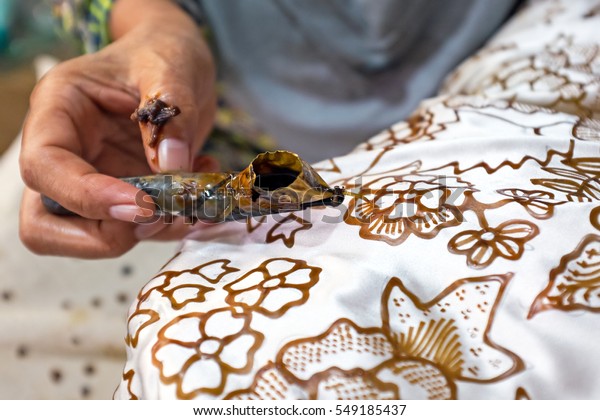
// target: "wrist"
[[150, 15]]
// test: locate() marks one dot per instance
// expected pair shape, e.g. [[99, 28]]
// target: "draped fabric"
[[464, 265]]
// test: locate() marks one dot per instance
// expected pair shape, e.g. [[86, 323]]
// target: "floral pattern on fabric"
[[462, 264], [406, 357], [394, 207], [222, 345], [482, 247], [278, 284]]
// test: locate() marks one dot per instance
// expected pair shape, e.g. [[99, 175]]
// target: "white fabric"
[[465, 268]]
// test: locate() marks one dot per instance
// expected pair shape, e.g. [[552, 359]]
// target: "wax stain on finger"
[[155, 113]]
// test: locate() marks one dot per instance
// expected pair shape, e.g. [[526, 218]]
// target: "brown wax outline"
[[586, 129], [542, 70], [550, 154], [143, 295], [226, 370], [581, 183], [250, 228], [374, 333], [313, 279], [503, 279], [421, 126], [258, 390], [476, 252], [132, 340], [332, 168], [522, 394], [201, 290], [290, 240], [400, 367], [533, 198], [410, 225], [396, 356], [272, 236], [368, 376], [127, 378], [595, 217], [554, 302]]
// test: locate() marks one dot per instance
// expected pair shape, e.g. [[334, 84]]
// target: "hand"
[[78, 136]]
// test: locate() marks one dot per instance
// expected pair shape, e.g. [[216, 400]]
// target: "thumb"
[[175, 117]]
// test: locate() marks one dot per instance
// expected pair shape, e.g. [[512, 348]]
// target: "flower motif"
[[539, 204], [198, 351], [392, 208], [180, 287], [548, 76], [420, 350], [273, 287], [483, 246], [424, 124]]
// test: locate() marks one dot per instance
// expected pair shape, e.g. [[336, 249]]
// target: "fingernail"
[[129, 213], [173, 155], [148, 230]]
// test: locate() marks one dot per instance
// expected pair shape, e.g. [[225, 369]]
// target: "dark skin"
[[78, 136]]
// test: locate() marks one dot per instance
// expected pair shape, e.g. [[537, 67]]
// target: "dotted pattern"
[[342, 338]]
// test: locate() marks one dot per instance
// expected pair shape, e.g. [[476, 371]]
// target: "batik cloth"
[[465, 264]]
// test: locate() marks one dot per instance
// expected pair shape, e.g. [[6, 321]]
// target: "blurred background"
[[27, 30], [62, 321]]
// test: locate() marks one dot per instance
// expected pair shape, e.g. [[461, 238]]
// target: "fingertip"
[[130, 213]]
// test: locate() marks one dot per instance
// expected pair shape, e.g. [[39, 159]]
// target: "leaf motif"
[[590, 166], [575, 283], [571, 188], [287, 229], [567, 173], [344, 345], [253, 224], [451, 331]]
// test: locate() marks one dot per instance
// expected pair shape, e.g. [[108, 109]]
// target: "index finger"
[[51, 162]]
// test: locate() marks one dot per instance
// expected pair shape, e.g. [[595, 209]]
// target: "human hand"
[[78, 135]]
